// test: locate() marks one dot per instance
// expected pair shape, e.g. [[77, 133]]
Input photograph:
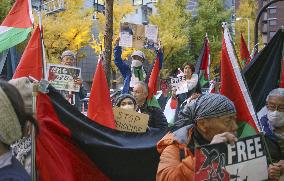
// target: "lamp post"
[[240, 18]]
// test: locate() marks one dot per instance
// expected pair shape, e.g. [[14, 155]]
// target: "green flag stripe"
[[245, 129], [13, 37]]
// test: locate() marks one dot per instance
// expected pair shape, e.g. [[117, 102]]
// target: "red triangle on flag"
[[20, 16], [31, 61], [153, 80], [100, 106], [244, 51], [233, 86]]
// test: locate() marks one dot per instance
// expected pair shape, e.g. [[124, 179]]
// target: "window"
[[273, 22], [272, 11], [272, 33]]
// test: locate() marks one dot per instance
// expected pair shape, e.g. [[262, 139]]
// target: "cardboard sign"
[[179, 84], [63, 77], [131, 121], [245, 160], [142, 36]]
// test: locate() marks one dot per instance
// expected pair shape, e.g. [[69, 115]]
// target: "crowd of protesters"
[[200, 118]]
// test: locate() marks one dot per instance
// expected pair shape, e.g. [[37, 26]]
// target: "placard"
[[142, 36], [245, 160], [130, 121], [63, 77], [179, 84]]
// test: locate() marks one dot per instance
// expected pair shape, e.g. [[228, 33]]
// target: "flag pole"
[[33, 136], [42, 43]]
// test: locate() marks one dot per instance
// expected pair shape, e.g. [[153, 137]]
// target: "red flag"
[[245, 56], [58, 157], [153, 80], [205, 65], [20, 16], [282, 75], [31, 61], [233, 85], [100, 106]]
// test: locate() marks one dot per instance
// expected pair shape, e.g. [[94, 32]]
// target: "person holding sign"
[[126, 101], [68, 58], [214, 121], [134, 73], [273, 126], [191, 83]]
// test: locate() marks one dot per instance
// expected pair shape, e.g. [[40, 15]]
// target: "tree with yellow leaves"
[[120, 10], [69, 29], [246, 12]]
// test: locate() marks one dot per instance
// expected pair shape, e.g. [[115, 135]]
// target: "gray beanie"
[[68, 53]]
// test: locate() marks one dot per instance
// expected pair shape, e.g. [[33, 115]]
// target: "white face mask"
[[136, 63], [276, 118], [128, 107]]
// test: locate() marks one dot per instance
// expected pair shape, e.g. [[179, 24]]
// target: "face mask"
[[128, 107], [276, 118], [136, 63]]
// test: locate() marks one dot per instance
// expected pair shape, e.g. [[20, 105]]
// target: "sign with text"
[[179, 84], [131, 121], [138, 35], [245, 160], [63, 77]]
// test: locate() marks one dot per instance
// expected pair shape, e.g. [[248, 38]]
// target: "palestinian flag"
[[153, 80], [245, 56], [203, 63], [70, 146], [263, 73], [233, 87], [100, 106], [17, 25], [31, 60]]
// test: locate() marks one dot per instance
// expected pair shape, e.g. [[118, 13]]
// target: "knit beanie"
[[25, 88], [10, 128]]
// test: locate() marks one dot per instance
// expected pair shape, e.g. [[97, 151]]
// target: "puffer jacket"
[[176, 160]]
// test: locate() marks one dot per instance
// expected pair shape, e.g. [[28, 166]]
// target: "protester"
[[13, 121], [273, 126], [131, 74], [151, 107], [214, 121], [126, 101], [192, 80], [68, 58], [165, 95], [21, 149]]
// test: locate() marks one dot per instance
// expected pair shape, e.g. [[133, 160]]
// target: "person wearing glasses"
[[273, 126]]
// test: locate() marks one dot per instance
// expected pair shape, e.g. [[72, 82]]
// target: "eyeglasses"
[[274, 107]]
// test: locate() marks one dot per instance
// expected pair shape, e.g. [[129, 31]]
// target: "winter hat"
[[124, 96], [25, 88], [10, 128], [138, 53], [68, 53]]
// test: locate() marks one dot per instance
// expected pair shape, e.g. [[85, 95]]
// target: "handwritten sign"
[[142, 36], [179, 84], [130, 121], [245, 160], [125, 39], [63, 77]]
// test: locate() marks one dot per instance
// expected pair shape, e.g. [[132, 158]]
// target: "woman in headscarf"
[[213, 119], [126, 101], [13, 121]]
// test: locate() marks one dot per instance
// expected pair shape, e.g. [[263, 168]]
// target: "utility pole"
[[108, 38]]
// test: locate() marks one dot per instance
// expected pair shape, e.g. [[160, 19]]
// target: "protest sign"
[[63, 77], [179, 84], [131, 121], [142, 36], [245, 160]]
